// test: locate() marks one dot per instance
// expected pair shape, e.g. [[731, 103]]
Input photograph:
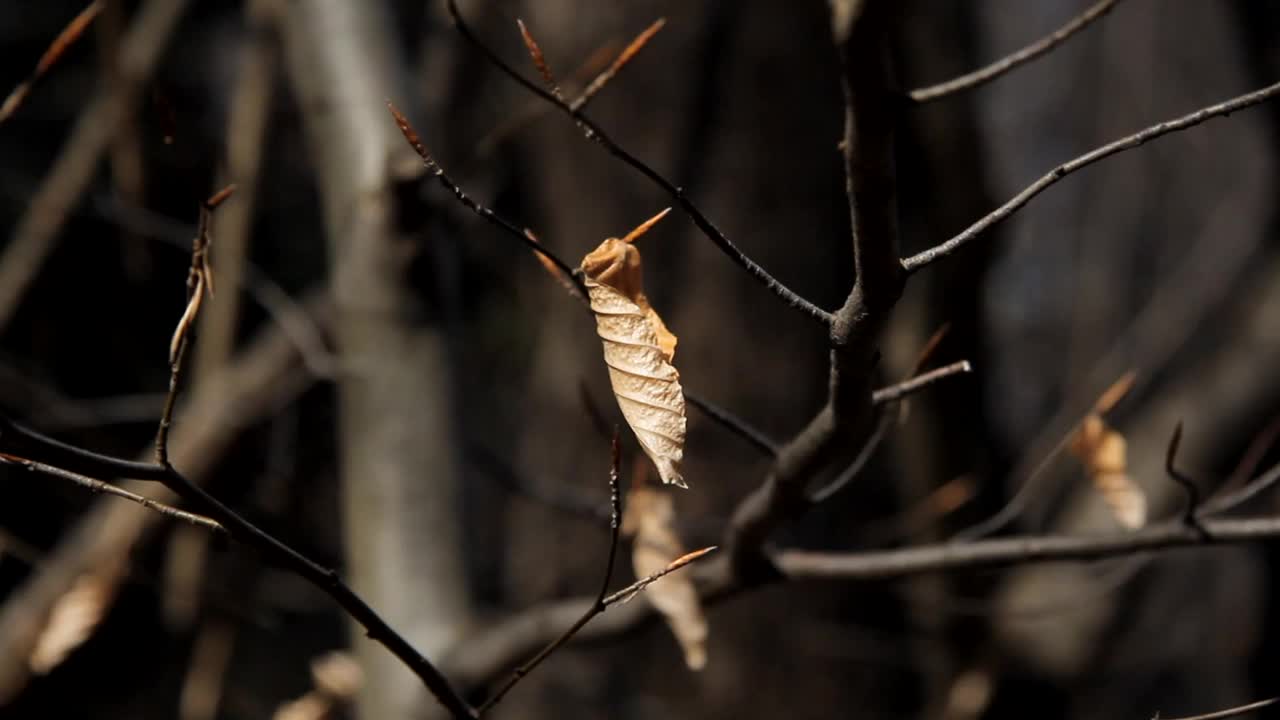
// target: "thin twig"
[[1229, 712], [557, 498], [754, 437], [1192, 508], [634, 588], [854, 468], [249, 534], [98, 486], [1018, 550], [69, 35], [1241, 102], [1015, 59], [199, 283], [595, 134], [434, 168], [919, 382], [597, 607]]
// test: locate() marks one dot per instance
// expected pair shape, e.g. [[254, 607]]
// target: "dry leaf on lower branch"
[[649, 518], [639, 351]]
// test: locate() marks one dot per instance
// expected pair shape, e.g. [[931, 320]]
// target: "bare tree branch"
[[593, 132], [105, 488], [597, 607], [925, 257], [1229, 712], [1013, 60], [907, 387]]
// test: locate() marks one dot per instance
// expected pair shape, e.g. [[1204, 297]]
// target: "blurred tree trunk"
[[396, 430]]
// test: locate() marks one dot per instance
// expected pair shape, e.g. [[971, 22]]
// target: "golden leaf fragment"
[[1103, 451], [649, 518], [638, 350]]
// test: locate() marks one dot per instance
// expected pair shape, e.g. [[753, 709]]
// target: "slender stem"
[[919, 382], [1018, 550], [1241, 102], [434, 168], [1229, 712], [734, 424], [105, 488], [596, 607], [1013, 60]]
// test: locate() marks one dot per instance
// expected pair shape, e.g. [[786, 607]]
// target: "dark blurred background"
[[1162, 260]]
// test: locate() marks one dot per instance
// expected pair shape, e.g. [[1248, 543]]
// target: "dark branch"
[[1192, 508], [921, 259], [734, 424], [1013, 60], [1022, 550], [99, 486], [434, 168], [900, 390], [595, 134], [597, 607]]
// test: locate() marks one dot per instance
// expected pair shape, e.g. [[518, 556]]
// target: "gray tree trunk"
[[398, 464]]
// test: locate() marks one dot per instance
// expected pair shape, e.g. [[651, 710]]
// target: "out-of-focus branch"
[[925, 257], [480, 658], [1019, 550], [1229, 712], [1015, 59], [69, 35], [34, 237]]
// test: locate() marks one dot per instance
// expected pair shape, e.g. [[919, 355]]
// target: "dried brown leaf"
[[638, 349], [650, 518], [1103, 451]]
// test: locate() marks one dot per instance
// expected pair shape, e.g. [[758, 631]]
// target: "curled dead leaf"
[[1103, 451], [639, 349], [649, 518]]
